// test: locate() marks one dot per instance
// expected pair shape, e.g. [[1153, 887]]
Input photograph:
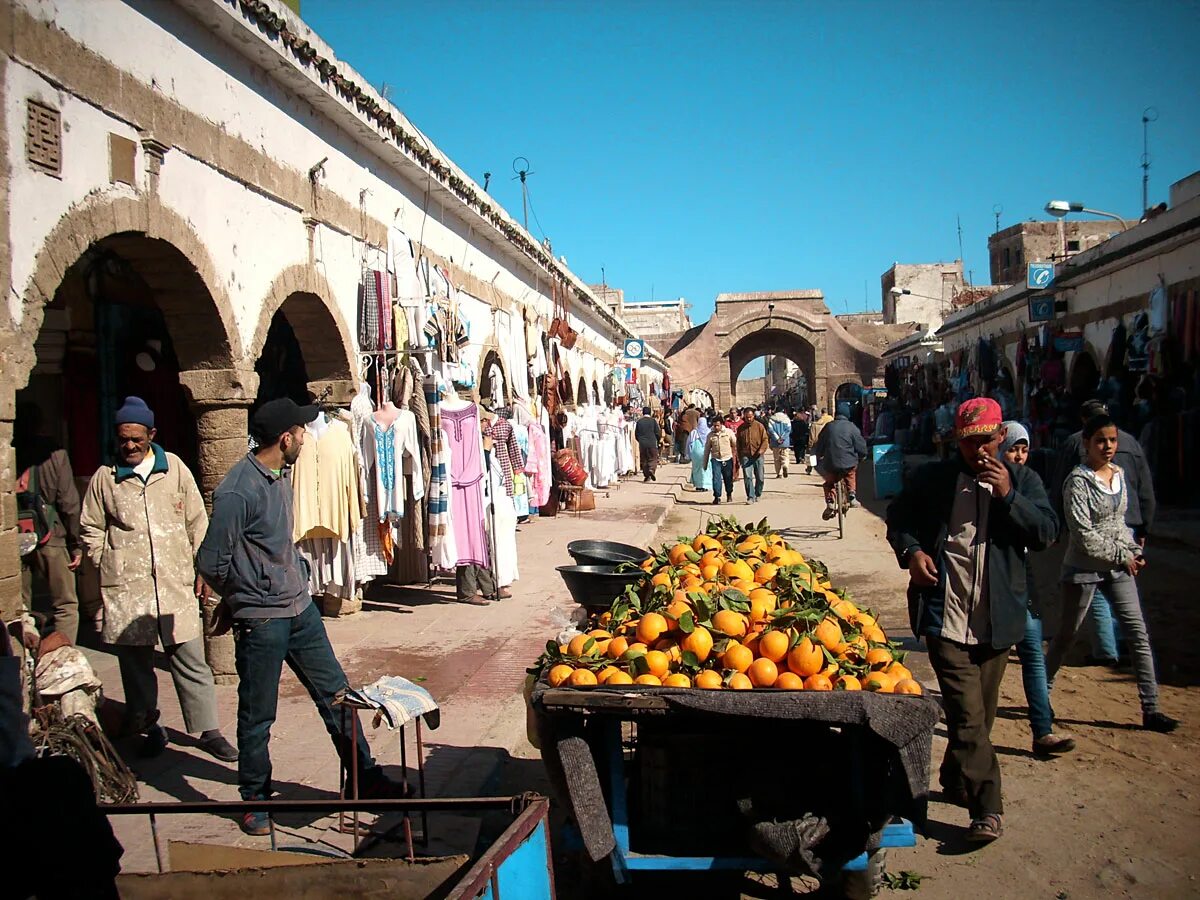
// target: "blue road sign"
[[1041, 309], [1041, 276], [634, 349]]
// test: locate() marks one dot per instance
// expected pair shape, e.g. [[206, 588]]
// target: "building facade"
[[192, 192], [1012, 249], [919, 293]]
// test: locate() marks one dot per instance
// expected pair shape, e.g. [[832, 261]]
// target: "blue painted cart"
[[616, 745]]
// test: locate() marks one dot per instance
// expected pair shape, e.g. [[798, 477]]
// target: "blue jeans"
[[722, 473], [754, 473], [1033, 677], [262, 646], [1106, 630]]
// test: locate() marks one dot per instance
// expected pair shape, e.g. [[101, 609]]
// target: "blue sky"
[[692, 148]]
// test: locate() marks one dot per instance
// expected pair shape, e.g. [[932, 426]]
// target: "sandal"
[[986, 828]]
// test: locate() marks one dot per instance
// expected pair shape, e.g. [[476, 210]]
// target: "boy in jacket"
[[962, 527]]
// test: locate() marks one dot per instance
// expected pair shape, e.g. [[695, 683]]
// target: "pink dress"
[[466, 478]]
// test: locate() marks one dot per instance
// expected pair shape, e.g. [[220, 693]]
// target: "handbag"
[[572, 470], [581, 501]]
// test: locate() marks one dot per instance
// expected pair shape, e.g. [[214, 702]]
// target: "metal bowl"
[[606, 553], [596, 587]]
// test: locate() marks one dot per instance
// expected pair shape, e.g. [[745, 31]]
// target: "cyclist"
[[839, 449]]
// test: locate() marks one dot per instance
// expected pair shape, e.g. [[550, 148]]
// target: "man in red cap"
[[961, 527]]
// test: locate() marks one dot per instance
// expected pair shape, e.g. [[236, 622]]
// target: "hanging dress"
[[466, 479]]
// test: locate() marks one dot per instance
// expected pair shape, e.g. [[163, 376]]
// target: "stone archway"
[[1084, 376], [303, 297], [792, 336], [490, 360]]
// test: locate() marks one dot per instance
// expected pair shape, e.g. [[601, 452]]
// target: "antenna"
[[522, 173], [487, 177], [1149, 114], [996, 210], [958, 220]]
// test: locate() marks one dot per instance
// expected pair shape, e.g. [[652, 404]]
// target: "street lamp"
[[1060, 208]]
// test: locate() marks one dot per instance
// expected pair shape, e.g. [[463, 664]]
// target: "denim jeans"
[[262, 646], [1033, 677], [754, 474], [1106, 630], [722, 473]]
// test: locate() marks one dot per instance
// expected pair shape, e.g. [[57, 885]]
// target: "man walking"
[[779, 432], [48, 501], [648, 434], [720, 453], [752, 444], [800, 429], [839, 449], [688, 419], [249, 558], [142, 523], [961, 527], [814, 433]]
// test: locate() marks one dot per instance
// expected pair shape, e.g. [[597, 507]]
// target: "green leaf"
[[588, 646], [552, 649], [687, 623], [689, 659], [639, 666]]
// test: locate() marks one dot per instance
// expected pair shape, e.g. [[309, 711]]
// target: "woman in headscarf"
[[701, 474]]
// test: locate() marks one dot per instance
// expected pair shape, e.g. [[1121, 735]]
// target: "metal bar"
[[421, 782], [192, 807], [342, 779], [617, 788], [481, 873], [159, 853], [354, 764], [408, 835]]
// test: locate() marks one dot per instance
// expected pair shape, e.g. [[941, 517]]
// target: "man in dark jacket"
[[1139, 514], [961, 527], [800, 428], [249, 558], [648, 434], [839, 449], [45, 479]]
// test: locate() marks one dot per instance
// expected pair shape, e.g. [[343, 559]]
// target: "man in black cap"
[[249, 558]]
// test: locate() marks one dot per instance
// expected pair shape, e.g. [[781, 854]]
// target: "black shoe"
[[654, 478], [645, 479], [1159, 721], [830, 512], [716, 500], [1106, 661], [216, 745], [155, 742]]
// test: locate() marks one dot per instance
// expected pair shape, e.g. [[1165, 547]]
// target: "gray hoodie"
[[1098, 538]]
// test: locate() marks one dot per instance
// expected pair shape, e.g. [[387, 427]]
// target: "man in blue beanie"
[[142, 523]]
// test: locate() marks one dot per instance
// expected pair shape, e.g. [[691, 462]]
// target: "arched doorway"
[[793, 365], [608, 393], [851, 394], [595, 394], [1085, 377], [128, 316], [581, 392], [493, 385]]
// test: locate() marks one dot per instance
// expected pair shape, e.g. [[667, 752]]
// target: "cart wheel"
[[861, 885]]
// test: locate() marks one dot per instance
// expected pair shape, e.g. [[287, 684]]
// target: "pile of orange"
[[733, 608]]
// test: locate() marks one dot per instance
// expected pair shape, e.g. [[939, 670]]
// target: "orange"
[[618, 678], [679, 554], [635, 649], [648, 564], [841, 608], [582, 678], [703, 544], [729, 622], [712, 557], [558, 674], [651, 627], [818, 682], [879, 658], [763, 673], [879, 682], [874, 634], [617, 647], [789, 681], [699, 642], [737, 657], [766, 572], [908, 686], [677, 680], [669, 647], [661, 579], [736, 569], [648, 679], [690, 580], [745, 585], [828, 633], [657, 662], [676, 609], [709, 571], [739, 682], [605, 618], [708, 680], [606, 673], [898, 672], [806, 658], [847, 683], [773, 645], [751, 641], [575, 648]]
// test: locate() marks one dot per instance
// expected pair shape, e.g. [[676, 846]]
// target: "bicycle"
[[842, 501]]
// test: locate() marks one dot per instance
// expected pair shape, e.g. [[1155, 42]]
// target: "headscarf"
[[1016, 433], [699, 434]]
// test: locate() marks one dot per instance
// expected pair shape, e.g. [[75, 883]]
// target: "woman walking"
[[1101, 552], [1015, 449], [696, 441]]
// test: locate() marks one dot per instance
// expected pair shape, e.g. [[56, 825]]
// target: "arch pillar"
[[221, 399]]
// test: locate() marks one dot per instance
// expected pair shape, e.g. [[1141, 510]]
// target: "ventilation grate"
[[43, 138]]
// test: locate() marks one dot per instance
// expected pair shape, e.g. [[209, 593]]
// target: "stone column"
[[10, 554], [221, 399]]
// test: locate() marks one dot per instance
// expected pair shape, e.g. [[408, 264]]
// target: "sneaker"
[[1052, 745], [216, 745], [830, 513], [155, 742], [854, 504], [256, 823], [1159, 721]]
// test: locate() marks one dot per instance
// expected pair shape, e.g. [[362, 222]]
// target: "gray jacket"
[[840, 446], [248, 556], [1130, 458], [1099, 539]]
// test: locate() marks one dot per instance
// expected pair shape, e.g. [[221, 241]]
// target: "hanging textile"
[[392, 450], [504, 525], [537, 464], [325, 483], [504, 445], [466, 476]]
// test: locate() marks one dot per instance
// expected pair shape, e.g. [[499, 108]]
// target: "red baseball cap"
[[979, 415]]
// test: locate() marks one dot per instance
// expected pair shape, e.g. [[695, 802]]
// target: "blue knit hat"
[[134, 411], [843, 409]]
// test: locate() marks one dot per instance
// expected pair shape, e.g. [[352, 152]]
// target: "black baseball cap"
[[275, 417]]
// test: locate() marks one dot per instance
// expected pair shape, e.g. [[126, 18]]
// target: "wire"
[[529, 198]]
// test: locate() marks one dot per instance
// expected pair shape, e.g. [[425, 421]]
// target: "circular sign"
[[633, 348]]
